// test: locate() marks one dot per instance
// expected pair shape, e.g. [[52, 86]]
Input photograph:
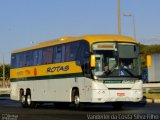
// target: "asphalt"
[[12, 110]]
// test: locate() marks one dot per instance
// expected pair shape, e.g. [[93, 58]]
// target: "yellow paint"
[[90, 38], [44, 70], [152, 96], [93, 60], [73, 68]]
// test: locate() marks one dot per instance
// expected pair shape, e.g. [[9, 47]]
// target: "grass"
[[4, 95], [152, 96]]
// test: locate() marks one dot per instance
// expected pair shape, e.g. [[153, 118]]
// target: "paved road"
[[11, 110]]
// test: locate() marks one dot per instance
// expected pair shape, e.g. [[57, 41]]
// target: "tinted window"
[[67, 54], [71, 51], [28, 56], [13, 61], [63, 53], [17, 60], [84, 52], [128, 51], [20, 60], [83, 58], [47, 55], [54, 54], [37, 57], [58, 53]]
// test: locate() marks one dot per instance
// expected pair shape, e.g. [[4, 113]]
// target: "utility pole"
[[3, 73], [119, 18]]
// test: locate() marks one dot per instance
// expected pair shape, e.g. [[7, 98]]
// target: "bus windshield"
[[116, 60]]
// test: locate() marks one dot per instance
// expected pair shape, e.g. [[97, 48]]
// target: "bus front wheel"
[[76, 100], [75, 97]]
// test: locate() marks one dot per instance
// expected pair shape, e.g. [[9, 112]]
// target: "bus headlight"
[[128, 81], [95, 77], [136, 81], [138, 92]]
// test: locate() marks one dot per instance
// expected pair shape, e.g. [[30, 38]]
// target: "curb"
[[156, 100], [153, 100], [149, 100]]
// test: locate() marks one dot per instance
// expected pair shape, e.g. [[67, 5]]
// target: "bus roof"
[[90, 38]]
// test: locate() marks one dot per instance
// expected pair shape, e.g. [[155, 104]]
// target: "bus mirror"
[[149, 61], [93, 61]]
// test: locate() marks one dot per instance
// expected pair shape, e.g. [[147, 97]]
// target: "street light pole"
[[119, 18], [133, 22], [134, 27]]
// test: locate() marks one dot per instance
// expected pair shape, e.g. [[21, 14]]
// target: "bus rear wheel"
[[23, 100], [28, 100], [30, 103]]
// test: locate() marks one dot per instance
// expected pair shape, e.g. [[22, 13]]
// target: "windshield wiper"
[[112, 69], [130, 73]]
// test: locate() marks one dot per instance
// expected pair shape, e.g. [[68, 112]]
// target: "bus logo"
[[35, 72], [27, 72], [58, 68]]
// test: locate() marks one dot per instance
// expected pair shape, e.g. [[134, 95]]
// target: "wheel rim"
[[23, 99], [29, 100], [76, 100]]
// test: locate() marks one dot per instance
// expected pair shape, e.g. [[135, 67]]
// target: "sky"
[[27, 22]]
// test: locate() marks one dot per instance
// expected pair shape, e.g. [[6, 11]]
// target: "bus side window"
[[63, 53], [29, 58], [84, 57], [13, 61], [87, 59], [47, 55], [19, 60], [71, 51], [58, 54], [67, 53], [16, 61], [37, 57]]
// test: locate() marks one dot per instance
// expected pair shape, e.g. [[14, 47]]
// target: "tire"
[[28, 100], [76, 100], [75, 97], [30, 103], [23, 101]]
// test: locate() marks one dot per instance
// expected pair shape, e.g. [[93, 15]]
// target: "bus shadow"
[[95, 107], [107, 107]]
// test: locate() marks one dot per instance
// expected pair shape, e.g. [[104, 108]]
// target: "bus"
[[71, 70]]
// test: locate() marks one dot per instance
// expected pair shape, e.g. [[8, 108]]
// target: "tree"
[[7, 71], [148, 50]]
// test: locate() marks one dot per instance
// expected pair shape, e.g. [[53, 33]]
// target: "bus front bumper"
[[102, 96]]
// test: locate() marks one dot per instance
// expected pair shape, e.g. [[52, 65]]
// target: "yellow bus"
[[72, 70]]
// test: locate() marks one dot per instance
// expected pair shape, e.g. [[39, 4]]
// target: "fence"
[[152, 92]]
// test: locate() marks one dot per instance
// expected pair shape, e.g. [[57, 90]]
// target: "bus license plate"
[[120, 94]]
